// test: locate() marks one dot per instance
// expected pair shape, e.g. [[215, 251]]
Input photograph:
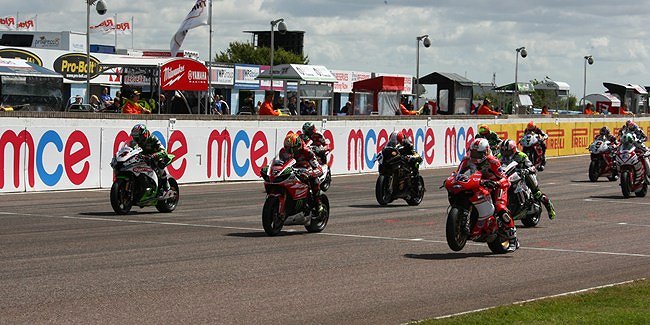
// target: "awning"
[[18, 67], [382, 83], [552, 85], [596, 98], [522, 87], [175, 73], [299, 72], [440, 77]]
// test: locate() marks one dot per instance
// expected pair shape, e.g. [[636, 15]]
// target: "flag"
[[8, 23], [198, 16], [106, 26], [123, 28], [27, 24]]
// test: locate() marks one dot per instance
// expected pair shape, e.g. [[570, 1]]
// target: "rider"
[[637, 137], [532, 128], [605, 135], [508, 154], [406, 150], [492, 176], [154, 152], [295, 148], [319, 144], [492, 137], [631, 127]]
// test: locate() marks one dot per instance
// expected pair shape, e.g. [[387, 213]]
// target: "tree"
[[239, 52]]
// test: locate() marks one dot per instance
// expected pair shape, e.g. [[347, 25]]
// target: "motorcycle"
[[521, 202], [470, 205], [289, 200], [602, 163], [632, 171], [321, 153], [137, 183], [396, 180], [531, 144]]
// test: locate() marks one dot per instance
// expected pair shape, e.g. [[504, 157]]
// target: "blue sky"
[[473, 38]]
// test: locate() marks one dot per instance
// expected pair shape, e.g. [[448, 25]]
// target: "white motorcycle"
[[137, 183], [631, 167], [531, 144]]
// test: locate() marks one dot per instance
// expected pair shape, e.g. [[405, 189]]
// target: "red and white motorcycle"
[[631, 167], [602, 162]]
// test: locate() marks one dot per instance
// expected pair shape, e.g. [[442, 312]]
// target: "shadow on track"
[[610, 197], [260, 234], [113, 214], [375, 206], [452, 256]]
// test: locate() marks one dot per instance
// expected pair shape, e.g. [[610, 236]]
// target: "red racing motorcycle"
[[289, 200], [471, 205]]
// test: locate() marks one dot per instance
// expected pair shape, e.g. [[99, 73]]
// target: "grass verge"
[[625, 304]]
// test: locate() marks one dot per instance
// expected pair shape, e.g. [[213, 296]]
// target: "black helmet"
[[604, 130]]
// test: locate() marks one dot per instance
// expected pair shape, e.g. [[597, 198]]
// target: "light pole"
[[427, 42], [100, 6], [282, 28], [588, 59], [515, 93]]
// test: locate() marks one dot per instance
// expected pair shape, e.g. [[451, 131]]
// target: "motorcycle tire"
[[626, 184], [318, 224], [121, 201], [382, 190], [456, 236], [594, 170], [170, 204], [643, 191], [417, 199], [325, 185], [270, 217], [532, 220], [499, 245]]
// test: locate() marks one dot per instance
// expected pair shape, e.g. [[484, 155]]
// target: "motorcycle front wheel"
[[271, 216], [325, 185], [383, 190], [456, 236], [170, 204], [121, 199], [626, 184], [594, 170], [318, 224], [417, 198]]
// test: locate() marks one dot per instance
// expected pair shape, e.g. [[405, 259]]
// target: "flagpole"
[[132, 32], [208, 106], [115, 30]]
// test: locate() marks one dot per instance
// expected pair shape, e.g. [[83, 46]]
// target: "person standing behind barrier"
[[131, 105], [486, 110], [267, 106], [293, 105]]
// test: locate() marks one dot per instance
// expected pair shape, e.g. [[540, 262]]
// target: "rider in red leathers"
[[480, 158], [320, 145], [295, 148]]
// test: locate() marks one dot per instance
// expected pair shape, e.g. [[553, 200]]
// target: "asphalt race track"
[[66, 258]]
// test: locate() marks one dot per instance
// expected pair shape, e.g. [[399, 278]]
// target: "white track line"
[[541, 298], [629, 201], [322, 234]]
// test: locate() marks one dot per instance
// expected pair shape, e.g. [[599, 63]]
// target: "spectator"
[[293, 105], [217, 106], [95, 104], [257, 107], [267, 107], [105, 98], [77, 104], [623, 110], [589, 109], [405, 111], [163, 104], [225, 109], [486, 110], [131, 106], [346, 109], [309, 108], [545, 110]]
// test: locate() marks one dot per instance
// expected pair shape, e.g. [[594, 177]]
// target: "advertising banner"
[[8, 23], [184, 74]]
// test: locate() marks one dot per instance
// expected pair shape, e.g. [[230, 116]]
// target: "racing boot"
[[510, 231], [547, 204], [165, 189], [318, 205]]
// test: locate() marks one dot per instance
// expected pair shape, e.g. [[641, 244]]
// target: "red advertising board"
[[184, 74]]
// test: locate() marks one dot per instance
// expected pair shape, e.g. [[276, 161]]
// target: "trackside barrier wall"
[[39, 154]]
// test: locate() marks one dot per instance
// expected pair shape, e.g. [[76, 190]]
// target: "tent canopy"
[[441, 77], [18, 67], [595, 98], [552, 85], [521, 86], [299, 72], [382, 83]]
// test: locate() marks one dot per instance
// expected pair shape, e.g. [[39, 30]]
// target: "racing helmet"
[[479, 150], [508, 148], [139, 133], [292, 143], [604, 130], [627, 139], [308, 128], [483, 129], [630, 125], [530, 126]]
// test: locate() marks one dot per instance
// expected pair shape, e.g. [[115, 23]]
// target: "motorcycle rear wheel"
[[121, 200], [626, 184], [416, 200], [532, 220], [594, 170], [319, 224], [456, 237], [170, 204], [382, 190], [270, 217], [499, 245]]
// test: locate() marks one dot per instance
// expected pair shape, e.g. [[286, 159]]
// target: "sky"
[[473, 38]]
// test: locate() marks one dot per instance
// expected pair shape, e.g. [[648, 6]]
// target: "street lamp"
[[282, 28], [100, 6], [427, 42], [520, 51], [588, 59]]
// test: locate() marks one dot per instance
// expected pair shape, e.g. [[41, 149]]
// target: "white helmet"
[[479, 150]]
